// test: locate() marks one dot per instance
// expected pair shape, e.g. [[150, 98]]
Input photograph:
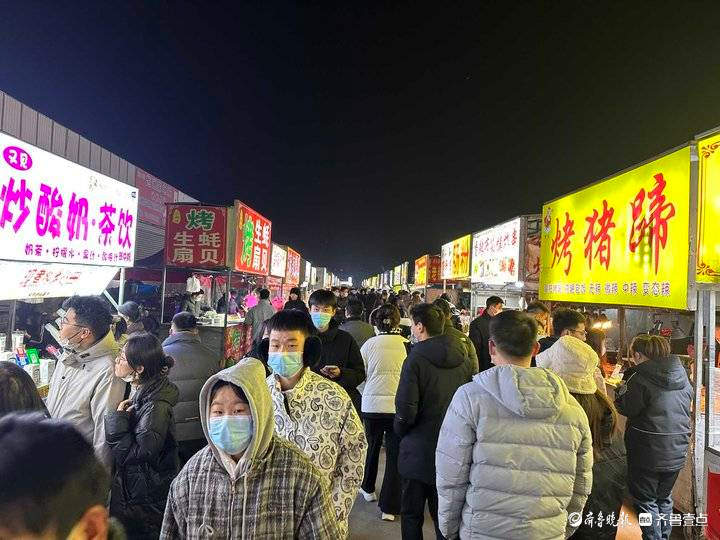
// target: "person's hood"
[[527, 392], [667, 373], [442, 351], [177, 337], [574, 361], [248, 374], [159, 389], [106, 347]]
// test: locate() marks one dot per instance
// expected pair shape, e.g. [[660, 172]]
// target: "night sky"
[[370, 136]]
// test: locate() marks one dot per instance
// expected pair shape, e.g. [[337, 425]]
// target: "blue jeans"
[[652, 492]]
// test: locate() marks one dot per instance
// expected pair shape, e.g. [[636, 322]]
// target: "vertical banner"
[[252, 242]]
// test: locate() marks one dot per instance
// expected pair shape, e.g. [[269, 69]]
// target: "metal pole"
[[623, 334], [444, 285], [698, 473], [121, 291], [11, 326], [162, 295]]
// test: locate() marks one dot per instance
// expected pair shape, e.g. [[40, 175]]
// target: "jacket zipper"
[[232, 507]]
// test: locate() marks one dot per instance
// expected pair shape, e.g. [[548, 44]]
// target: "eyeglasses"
[[65, 322], [582, 333]]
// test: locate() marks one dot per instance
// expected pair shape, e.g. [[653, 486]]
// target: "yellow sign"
[[623, 241], [708, 234], [421, 267], [456, 259]]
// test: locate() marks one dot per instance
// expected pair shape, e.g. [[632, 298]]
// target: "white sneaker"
[[387, 517], [369, 497]]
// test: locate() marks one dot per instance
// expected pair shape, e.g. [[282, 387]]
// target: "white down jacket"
[[383, 356], [514, 457]]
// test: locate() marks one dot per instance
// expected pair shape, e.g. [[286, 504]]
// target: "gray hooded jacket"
[[514, 457], [273, 492]]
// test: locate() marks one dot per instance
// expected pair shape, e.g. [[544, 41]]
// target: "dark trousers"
[[652, 494], [187, 449], [375, 427], [414, 495]]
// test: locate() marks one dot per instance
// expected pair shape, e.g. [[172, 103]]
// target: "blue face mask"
[[232, 434], [321, 320], [285, 364]]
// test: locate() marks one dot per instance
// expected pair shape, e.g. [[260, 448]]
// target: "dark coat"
[[609, 484], [339, 349], [432, 373], [194, 364], [656, 399], [358, 329], [480, 335], [296, 304], [145, 458], [547, 342], [472, 357]]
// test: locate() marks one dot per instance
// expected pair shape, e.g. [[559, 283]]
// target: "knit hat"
[[574, 361]]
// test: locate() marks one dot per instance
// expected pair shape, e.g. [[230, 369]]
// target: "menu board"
[[195, 236], [24, 280], [54, 210], [456, 259], [253, 241], [623, 240], [496, 254]]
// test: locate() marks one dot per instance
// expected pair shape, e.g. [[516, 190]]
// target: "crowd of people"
[[505, 433]]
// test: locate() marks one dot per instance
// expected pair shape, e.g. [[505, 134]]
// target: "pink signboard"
[[153, 194], [54, 210]]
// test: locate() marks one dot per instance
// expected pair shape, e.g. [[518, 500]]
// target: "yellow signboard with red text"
[[456, 258], [708, 233], [622, 241]]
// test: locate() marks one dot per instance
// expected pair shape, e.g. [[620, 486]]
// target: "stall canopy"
[[456, 259], [64, 229], [623, 240]]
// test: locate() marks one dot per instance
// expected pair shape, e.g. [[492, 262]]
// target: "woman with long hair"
[[655, 398], [141, 436], [18, 392], [383, 356], [576, 363]]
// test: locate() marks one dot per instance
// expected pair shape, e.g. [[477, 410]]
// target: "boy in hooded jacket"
[[514, 459], [248, 482]]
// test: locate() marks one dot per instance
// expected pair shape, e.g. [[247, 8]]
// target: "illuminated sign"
[[456, 259], [397, 275], [54, 210], [496, 254], [623, 240], [421, 267], [292, 272], [708, 232], [24, 280], [252, 242], [279, 261], [195, 236]]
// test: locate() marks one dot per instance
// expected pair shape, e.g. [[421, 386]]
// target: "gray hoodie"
[[514, 457], [213, 497]]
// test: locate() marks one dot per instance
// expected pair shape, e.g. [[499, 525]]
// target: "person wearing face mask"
[[84, 386], [62, 494], [312, 412], [247, 482], [340, 360], [480, 331], [141, 437]]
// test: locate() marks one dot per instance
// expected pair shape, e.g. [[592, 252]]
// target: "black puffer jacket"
[[145, 458], [656, 400], [432, 373], [340, 349], [296, 304], [609, 484], [479, 335]]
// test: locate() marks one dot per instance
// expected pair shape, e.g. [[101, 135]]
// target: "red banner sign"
[[253, 241], [435, 268], [195, 236], [292, 275]]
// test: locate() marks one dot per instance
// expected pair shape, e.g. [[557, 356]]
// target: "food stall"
[[621, 244], [427, 278], [65, 230], [506, 262], [217, 247], [455, 271]]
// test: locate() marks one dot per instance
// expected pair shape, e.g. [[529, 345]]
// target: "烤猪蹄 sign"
[[195, 236], [54, 210], [621, 241]]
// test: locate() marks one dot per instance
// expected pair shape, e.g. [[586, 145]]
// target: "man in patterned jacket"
[[313, 412]]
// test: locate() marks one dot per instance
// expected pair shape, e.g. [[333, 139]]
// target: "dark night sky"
[[371, 135]]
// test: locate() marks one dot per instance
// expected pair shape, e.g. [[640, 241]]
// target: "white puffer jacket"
[[383, 356], [514, 457]]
